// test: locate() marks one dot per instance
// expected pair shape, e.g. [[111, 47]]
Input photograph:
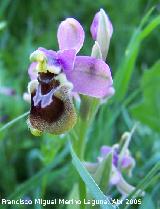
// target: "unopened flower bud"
[[101, 30]]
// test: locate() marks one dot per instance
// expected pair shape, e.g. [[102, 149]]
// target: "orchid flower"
[[119, 163], [56, 75], [122, 162]]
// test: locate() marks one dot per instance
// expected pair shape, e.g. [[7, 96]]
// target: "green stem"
[[87, 116], [80, 149], [7, 125], [82, 141], [89, 108]]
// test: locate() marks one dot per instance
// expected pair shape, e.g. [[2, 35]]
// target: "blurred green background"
[[26, 25]]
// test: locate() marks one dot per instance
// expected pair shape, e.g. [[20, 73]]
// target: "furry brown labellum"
[[52, 109]]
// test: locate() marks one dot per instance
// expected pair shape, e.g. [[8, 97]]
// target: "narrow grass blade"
[[126, 68], [7, 125], [152, 175], [89, 181]]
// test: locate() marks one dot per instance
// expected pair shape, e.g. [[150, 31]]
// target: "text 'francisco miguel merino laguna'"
[[44, 202]]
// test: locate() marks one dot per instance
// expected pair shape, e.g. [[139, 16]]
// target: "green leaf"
[[103, 173], [50, 146], [150, 178], [126, 68], [35, 180], [7, 125], [150, 27], [147, 203], [89, 181], [148, 111], [74, 194]]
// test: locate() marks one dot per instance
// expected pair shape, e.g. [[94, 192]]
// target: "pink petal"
[[48, 52], [70, 35], [51, 56], [115, 177], [91, 77], [105, 150], [127, 161], [66, 59], [94, 26], [32, 71]]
